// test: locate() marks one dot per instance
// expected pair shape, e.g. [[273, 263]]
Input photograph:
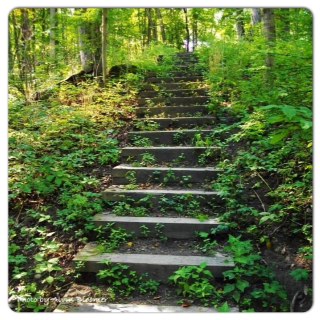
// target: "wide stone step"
[[168, 154], [174, 85], [187, 78], [173, 228], [173, 93], [174, 123], [172, 101], [173, 111], [88, 307], [158, 266], [157, 174], [177, 72], [203, 197], [169, 137]]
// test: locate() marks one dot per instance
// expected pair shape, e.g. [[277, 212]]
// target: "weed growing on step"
[[141, 141], [186, 181], [194, 282], [147, 125], [147, 159], [144, 231], [113, 240], [124, 281], [169, 178], [207, 245], [179, 138], [131, 176], [159, 229], [126, 209]]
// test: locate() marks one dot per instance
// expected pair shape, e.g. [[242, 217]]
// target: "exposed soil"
[[166, 247]]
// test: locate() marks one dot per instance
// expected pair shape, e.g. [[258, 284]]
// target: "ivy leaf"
[[242, 285], [228, 288], [224, 308], [300, 274], [49, 279]]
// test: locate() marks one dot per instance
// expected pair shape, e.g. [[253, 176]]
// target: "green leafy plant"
[[194, 282]]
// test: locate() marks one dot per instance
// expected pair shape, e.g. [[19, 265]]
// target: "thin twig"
[[262, 204], [265, 182]]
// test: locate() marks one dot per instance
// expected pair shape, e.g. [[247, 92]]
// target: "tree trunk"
[[255, 16], [104, 42], [52, 33], [162, 30], [270, 35], [149, 26], [240, 25], [185, 10], [90, 46]]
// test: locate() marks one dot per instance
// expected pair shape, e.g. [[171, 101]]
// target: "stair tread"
[[161, 191], [177, 118], [163, 220], [169, 147], [90, 254], [191, 169]]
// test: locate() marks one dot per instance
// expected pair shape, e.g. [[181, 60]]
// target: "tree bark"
[[162, 30], [240, 25], [255, 16], [149, 25], [52, 33], [185, 10], [270, 35], [104, 42]]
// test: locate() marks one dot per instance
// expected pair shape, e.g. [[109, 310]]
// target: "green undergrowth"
[[267, 150], [59, 151]]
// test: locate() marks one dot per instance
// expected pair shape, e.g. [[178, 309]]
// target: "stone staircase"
[[177, 115]]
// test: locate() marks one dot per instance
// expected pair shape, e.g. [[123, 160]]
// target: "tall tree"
[[270, 35], [162, 29], [255, 16], [240, 24], [104, 42], [90, 44], [52, 33], [185, 10]]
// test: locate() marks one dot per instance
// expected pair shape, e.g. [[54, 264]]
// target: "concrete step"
[[181, 196], [173, 101], [157, 174], [172, 111], [173, 228], [158, 266], [187, 78], [173, 93], [169, 137], [174, 85], [178, 71], [179, 154], [87, 307], [174, 123]]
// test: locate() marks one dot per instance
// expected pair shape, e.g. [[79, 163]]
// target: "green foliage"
[[194, 282], [300, 274], [244, 287], [125, 282]]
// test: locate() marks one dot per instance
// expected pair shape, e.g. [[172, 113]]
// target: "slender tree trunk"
[[270, 35], [240, 25], [255, 16], [149, 26], [162, 30], [52, 33], [185, 10], [104, 41]]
